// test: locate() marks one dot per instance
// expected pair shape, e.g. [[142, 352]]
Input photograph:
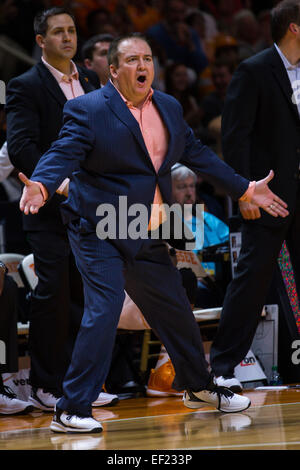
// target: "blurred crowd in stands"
[[197, 45]]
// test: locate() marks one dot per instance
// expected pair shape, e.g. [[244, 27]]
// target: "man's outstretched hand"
[[267, 200], [32, 198]]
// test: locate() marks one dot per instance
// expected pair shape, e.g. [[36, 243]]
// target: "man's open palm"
[[267, 200], [32, 198]]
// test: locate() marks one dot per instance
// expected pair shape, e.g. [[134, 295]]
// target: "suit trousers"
[[56, 309], [155, 285], [246, 294]]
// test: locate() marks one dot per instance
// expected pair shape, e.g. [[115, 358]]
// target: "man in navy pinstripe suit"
[[121, 141]]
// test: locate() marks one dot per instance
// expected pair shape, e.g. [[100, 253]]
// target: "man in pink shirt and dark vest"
[[119, 144], [35, 102]]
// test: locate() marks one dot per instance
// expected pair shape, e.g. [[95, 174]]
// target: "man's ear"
[[87, 63], [40, 40], [113, 71], [294, 28]]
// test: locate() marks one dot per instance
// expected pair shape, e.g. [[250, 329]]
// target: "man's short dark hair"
[[88, 47], [113, 52], [40, 23], [285, 13]]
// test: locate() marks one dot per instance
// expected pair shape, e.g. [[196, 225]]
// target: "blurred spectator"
[[101, 21], [142, 14], [196, 20], [6, 166], [224, 13], [11, 187], [94, 55], [180, 42], [96, 22], [213, 103], [121, 19], [177, 85], [215, 232], [159, 60], [265, 36], [83, 8], [245, 30], [225, 48], [198, 6]]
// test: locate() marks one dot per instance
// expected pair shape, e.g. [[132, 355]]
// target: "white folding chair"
[[27, 273]]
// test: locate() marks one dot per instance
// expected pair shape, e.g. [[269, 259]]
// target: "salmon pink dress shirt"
[[156, 138], [71, 88]]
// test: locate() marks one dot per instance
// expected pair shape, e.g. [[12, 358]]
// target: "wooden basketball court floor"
[[271, 423]]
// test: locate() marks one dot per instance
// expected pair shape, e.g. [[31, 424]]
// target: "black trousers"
[[56, 309], [247, 292]]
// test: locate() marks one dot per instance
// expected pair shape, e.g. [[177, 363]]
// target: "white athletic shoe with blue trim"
[[220, 397], [70, 423]]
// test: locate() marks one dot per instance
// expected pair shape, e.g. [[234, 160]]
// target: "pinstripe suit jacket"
[[101, 145]]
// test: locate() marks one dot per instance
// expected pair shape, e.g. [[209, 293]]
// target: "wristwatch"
[[3, 271]]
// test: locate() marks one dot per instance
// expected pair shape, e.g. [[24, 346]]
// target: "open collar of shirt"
[[62, 77], [129, 103], [285, 61]]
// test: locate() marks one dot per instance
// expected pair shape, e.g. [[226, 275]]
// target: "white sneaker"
[[106, 399], [229, 382], [11, 405], [42, 399], [68, 423], [220, 397]]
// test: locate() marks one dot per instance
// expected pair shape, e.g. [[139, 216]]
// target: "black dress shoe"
[[130, 389]]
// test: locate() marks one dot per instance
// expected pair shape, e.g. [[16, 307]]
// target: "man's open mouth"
[[141, 79]]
